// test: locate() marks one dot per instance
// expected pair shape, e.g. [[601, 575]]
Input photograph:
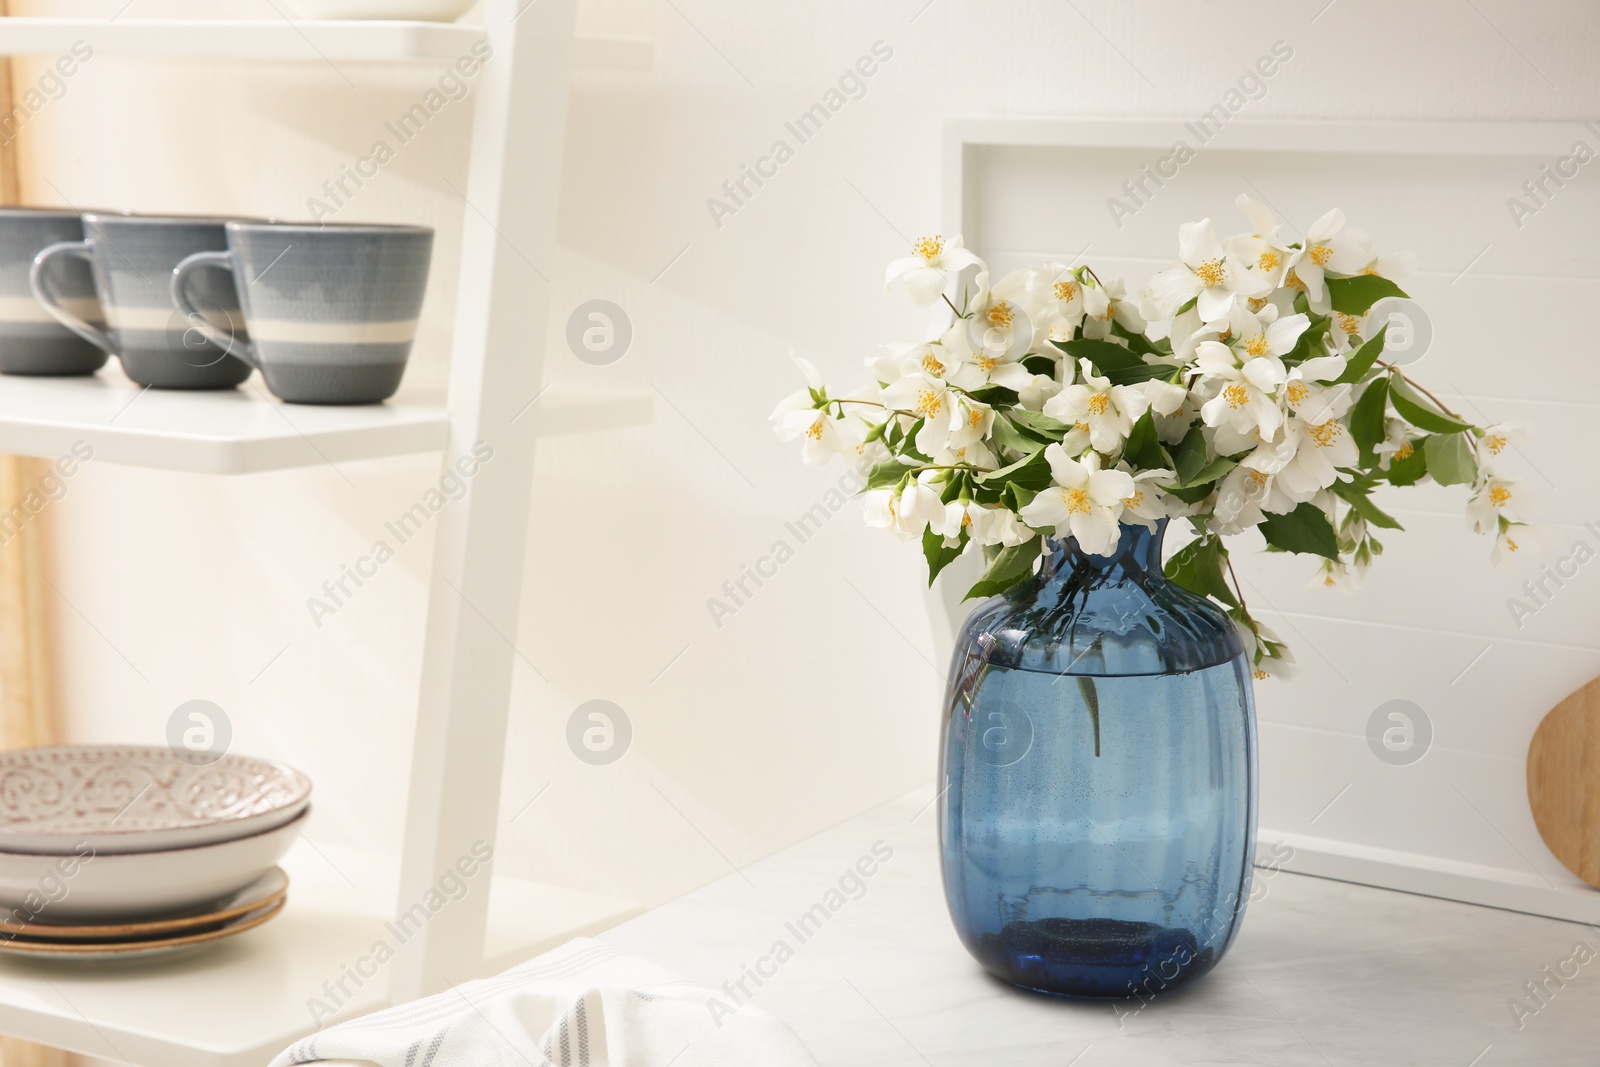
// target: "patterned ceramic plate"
[[129, 798], [134, 949]]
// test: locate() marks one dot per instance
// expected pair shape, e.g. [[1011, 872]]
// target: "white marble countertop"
[[1324, 974]]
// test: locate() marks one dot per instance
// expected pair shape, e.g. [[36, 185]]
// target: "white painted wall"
[[817, 699]]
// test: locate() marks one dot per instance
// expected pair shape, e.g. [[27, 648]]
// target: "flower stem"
[[1419, 387]]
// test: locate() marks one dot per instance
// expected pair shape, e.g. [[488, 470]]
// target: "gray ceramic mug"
[[331, 310], [132, 257], [31, 340]]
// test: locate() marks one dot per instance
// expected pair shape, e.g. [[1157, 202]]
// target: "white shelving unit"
[[282, 39], [242, 1001]]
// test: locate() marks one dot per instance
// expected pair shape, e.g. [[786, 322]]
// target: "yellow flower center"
[[1325, 434], [1320, 254], [1292, 280], [929, 248], [1076, 500], [929, 402], [1268, 260], [1406, 448], [1327, 580], [1236, 395], [986, 362], [1257, 303], [1297, 393], [931, 364], [1349, 323], [814, 431], [1108, 313], [1084, 426], [1260, 675], [1135, 500], [1370, 268], [1211, 272], [1066, 291], [1259, 478], [1499, 496], [975, 418], [1257, 345], [1495, 442], [966, 518], [1099, 404], [1511, 545], [1001, 314]]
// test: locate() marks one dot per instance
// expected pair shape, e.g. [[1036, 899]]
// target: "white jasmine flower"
[[1330, 247], [1084, 500], [1095, 407], [1318, 451], [1247, 398], [1147, 502], [930, 269], [1000, 327], [970, 421], [1263, 249], [904, 513], [1305, 393], [929, 399], [1514, 538], [1491, 498], [1038, 391], [1208, 275], [1496, 439], [1107, 304]]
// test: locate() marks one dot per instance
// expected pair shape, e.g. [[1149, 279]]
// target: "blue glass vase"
[[1099, 766]]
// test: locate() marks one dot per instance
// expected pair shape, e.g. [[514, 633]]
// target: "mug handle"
[[233, 346], [41, 292]]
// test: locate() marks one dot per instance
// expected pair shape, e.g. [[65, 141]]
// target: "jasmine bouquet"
[[1246, 386]]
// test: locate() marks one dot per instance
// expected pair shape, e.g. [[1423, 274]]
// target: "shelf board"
[[238, 431], [315, 40], [241, 1001]]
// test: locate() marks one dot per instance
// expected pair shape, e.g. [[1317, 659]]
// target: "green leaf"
[[1040, 365], [996, 396], [1197, 566], [1215, 469], [1008, 434], [938, 556], [1362, 504], [1421, 412], [1367, 419], [1030, 472], [1451, 459], [1010, 566], [1362, 359], [1016, 497], [1143, 448], [886, 475], [1354, 296], [1191, 494], [1189, 455], [1144, 372], [1105, 355], [1038, 423], [1409, 471], [1305, 529]]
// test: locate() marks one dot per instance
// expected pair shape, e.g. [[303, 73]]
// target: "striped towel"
[[583, 1005]]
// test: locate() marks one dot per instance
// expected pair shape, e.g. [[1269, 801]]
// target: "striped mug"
[[331, 310], [31, 340], [132, 257]]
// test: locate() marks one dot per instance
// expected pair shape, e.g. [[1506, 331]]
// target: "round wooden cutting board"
[[1564, 781]]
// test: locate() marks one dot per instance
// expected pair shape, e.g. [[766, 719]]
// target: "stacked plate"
[[118, 850]]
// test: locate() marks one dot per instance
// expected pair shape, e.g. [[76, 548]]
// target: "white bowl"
[[136, 798], [421, 10], [138, 885]]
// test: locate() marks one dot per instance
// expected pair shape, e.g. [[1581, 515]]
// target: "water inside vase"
[[1097, 828]]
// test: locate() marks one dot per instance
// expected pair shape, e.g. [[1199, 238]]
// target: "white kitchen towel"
[[583, 1005]]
